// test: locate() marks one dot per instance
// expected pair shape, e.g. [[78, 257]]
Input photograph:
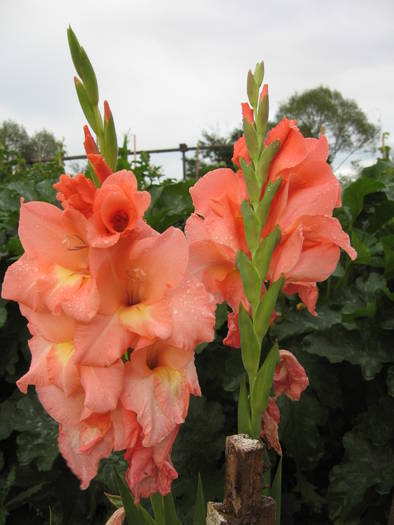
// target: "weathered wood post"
[[243, 502]]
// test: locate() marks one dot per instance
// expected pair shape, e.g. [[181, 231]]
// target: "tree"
[[215, 157], [42, 145], [345, 124]]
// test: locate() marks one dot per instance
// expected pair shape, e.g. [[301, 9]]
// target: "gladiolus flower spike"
[[262, 230], [96, 283]]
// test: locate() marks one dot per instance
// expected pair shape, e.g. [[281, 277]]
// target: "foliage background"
[[338, 439]]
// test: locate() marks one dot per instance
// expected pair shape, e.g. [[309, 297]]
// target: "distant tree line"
[[41, 145]]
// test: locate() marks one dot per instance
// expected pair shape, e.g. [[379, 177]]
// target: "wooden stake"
[[243, 501]]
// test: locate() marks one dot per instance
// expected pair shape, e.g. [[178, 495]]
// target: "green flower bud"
[[86, 105], [110, 140]]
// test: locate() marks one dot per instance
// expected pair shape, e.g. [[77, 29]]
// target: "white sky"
[[170, 69]]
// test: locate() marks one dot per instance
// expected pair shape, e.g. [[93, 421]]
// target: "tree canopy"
[[346, 126], [42, 145]]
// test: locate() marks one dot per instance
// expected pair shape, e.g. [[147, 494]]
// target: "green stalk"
[[253, 270]]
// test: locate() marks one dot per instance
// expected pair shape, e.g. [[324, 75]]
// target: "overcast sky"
[[172, 68]]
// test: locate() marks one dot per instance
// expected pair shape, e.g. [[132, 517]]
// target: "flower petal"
[[102, 386]]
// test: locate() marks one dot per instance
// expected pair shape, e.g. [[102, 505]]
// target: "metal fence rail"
[[182, 148]]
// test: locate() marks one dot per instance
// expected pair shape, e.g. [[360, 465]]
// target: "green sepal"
[[250, 180], [199, 507], [157, 502], [75, 50], [251, 140], [114, 499], [262, 115], [266, 307], [110, 142], [244, 424], [262, 258], [89, 77], [264, 206], [276, 490], [170, 511], [135, 514], [252, 226], [265, 160], [86, 105], [252, 90], [250, 278], [262, 387], [250, 347], [259, 73]]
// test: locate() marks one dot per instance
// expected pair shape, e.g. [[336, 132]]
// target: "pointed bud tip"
[[107, 111], [264, 92]]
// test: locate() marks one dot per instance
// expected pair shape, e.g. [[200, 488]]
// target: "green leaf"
[[388, 247], [252, 226], [250, 278], [262, 387], [266, 307], [300, 429], [262, 258], [244, 425], [250, 347], [296, 322], [199, 507], [368, 462], [135, 514], [3, 312], [390, 381], [342, 345], [276, 490], [264, 162], [37, 432], [157, 502], [251, 181], [170, 511], [251, 140], [369, 248], [354, 195], [252, 90], [264, 206], [221, 315]]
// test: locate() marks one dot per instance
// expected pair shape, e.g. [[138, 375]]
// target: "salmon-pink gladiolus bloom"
[[216, 234], [150, 468], [54, 271], [158, 382], [145, 295], [76, 192], [116, 209], [269, 425], [311, 238], [290, 377]]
